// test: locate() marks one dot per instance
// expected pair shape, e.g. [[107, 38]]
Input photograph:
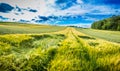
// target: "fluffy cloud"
[[59, 11]]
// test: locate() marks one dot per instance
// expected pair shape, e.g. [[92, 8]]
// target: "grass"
[[65, 50], [19, 28], [27, 47], [113, 36]]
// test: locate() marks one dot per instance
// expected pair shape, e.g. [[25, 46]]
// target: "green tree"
[[112, 23]]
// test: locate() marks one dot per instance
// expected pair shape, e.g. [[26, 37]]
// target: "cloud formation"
[[59, 11]]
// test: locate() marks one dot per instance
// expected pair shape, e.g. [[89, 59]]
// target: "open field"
[[113, 36], [19, 28], [63, 50]]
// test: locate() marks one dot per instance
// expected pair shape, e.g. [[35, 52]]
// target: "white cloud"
[[27, 15], [49, 8], [79, 1], [74, 10], [22, 3], [44, 8]]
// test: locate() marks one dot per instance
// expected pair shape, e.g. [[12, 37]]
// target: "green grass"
[[64, 50], [19, 28], [27, 52], [113, 36]]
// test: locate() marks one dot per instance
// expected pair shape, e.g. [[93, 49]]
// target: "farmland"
[[63, 49], [113, 36], [22, 28]]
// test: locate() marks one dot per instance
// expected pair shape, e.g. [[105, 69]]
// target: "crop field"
[[63, 49], [113, 36], [19, 28]]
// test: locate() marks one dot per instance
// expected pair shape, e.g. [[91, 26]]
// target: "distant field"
[[113, 36], [18, 28]]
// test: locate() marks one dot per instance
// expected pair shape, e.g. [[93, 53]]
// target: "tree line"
[[112, 23]]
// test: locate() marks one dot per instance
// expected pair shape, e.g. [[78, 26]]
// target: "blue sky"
[[59, 12]]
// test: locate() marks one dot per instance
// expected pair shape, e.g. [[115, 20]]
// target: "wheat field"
[[63, 50]]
